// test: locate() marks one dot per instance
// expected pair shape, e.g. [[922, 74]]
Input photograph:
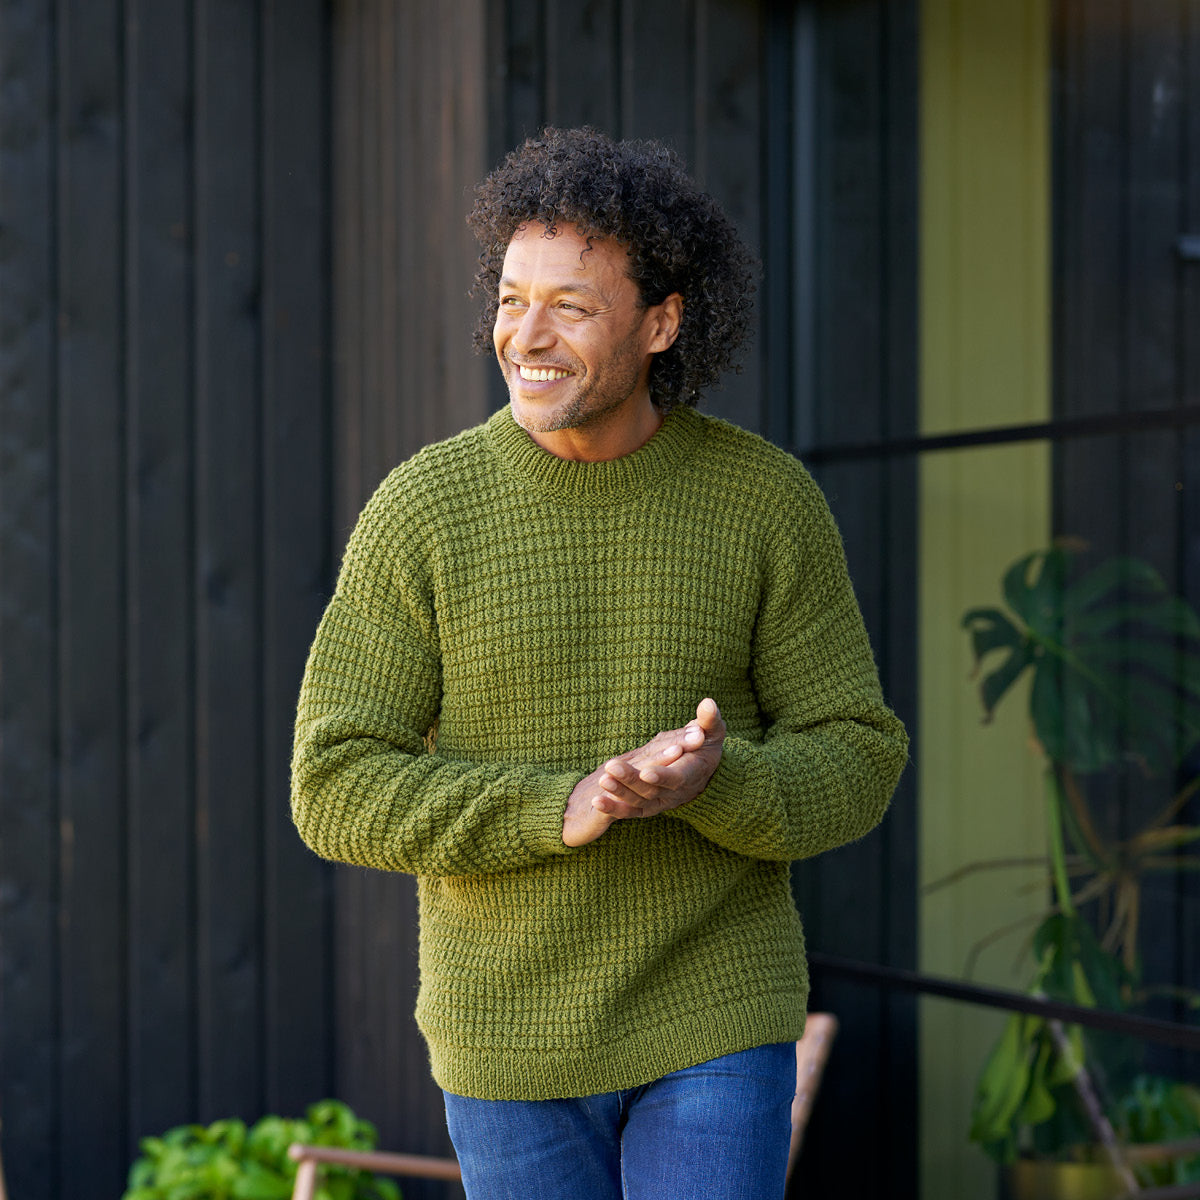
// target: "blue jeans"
[[716, 1131]]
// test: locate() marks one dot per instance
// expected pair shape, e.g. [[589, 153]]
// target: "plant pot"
[[1032, 1179]]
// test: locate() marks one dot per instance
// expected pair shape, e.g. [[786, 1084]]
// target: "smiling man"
[[575, 341], [595, 674]]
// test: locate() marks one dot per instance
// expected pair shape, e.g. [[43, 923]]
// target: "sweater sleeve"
[[832, 752], [365, 787]]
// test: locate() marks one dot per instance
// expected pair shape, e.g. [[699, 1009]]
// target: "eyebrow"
[[574, 289]]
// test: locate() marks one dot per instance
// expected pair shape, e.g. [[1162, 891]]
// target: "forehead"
[[566, 259]]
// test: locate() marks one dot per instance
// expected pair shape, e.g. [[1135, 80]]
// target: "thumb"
[[708, 715]]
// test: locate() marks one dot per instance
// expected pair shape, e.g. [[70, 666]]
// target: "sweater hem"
[[541, 1073]]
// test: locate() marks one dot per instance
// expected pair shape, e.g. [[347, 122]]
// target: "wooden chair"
[[812, 1052], [412, 1166]]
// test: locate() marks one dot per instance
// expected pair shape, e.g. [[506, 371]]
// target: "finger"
[[634, 792], [665, 780], [652, 753], [708, 716], [622, 772], [612, 807], [662, 776]]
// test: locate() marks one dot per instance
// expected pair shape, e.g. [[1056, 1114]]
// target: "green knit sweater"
[[504, 621]]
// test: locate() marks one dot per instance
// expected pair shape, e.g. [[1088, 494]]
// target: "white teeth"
[[541, 374]]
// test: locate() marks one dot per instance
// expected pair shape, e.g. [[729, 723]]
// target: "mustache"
[[539, 362]]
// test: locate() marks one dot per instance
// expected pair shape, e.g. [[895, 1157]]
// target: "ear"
[[663, 323]]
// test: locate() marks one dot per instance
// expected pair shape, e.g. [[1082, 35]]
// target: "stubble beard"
[[586, 405]]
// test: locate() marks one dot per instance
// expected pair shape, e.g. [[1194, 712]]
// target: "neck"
[[613, 436]]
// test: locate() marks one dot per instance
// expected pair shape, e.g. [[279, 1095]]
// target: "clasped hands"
[[670, 770]]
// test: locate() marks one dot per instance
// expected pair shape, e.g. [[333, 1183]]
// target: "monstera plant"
[[1112, 660]]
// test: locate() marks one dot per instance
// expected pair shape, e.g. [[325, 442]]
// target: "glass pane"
[[982, 801], [1058, 754]]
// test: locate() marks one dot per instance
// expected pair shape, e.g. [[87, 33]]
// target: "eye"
[[511, 302], [572, 310]]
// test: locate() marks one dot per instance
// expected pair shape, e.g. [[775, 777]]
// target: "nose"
[[533, 330]]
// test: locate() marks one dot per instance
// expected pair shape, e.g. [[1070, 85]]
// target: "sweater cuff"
[[541, 819], [719, 805]]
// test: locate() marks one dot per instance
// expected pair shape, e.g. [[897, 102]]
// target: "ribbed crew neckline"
[[671, 445]]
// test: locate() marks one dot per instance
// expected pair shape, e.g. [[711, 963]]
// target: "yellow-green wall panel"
[[985, 335]]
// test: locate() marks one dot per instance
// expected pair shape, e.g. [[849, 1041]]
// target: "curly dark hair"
[[637, 193]]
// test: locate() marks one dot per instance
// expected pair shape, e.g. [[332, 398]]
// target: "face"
[[575, 342]]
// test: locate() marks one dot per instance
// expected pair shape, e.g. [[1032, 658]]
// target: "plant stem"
[[1081, 817], [1058, 857]]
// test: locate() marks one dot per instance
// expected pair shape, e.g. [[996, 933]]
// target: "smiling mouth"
[[541, 374]]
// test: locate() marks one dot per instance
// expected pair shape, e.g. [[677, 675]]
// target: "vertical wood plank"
[[461, 157], [297, 502], [358, 1053], [1089, 198], [229, 556], [412, 181], [658, 73], [803, 398], [582, 65], [1154, 199], [853, 190], [161, 884], [29, 941], [414, 100], [1089, 251], [522, 51], [383, 189], [1154, 193], [782, 291], [860, 169], [898, 536], [349, 259], [91, 598], [729, 136]]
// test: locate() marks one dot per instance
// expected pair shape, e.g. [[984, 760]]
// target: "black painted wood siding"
[[164, 551], [232, 294]]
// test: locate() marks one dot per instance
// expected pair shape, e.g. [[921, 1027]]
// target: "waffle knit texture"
[[504, 622]]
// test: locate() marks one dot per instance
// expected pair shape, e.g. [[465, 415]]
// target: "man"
[[595, 673]]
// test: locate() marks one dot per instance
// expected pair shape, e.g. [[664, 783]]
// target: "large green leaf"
[[991, 630], [1003, 1083], [1115, 660], [256, 1182], [1117, 574], [1033, 588], [1038, 1105]]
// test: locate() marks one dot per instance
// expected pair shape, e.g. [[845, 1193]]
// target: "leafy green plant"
[[1113, 661], [228, 1161]]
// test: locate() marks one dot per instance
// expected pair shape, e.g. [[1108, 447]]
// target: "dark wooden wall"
[[800, 118], [410, 123], [164, 549], [232, 294], [855, 383]]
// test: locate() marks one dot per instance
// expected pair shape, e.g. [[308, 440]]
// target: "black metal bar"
[[1183, 417], [1168, 1033]]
